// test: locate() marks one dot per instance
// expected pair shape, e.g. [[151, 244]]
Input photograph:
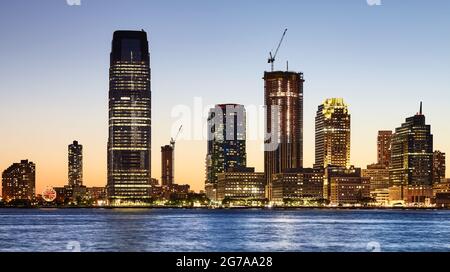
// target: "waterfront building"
[[441, 187], [19, 181], [345, 185], [384, 148], [332, 139], [378, 175], [241, 183], [226, 147], [283, 98], [411, 169], [438, 166], [167, 160], [75, 164], [129, 142], [381, 196], [298, 184]]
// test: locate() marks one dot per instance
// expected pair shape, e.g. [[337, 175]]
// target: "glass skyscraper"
[[332, 134], [75, 164], [283, 98], [226, 142], [412, 153], [129, 142]]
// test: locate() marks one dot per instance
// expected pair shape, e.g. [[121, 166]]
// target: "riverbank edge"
[[227, 208]]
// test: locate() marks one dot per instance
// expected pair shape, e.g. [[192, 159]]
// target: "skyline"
[[58, 108]]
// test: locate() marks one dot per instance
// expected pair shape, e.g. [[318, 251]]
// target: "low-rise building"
[[297, 184], [240, 183], [381, 196], [411, 194], [442, 187], [345, 185]]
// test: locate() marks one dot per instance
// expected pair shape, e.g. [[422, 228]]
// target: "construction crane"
[[173, 140], [271, 59]]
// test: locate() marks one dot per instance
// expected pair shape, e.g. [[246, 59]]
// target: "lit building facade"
[[411, 159], [283, 98], [226, 143], [332, 139], [384, 147], [129, 142], [19, 181], [75, 159], [349, 190], [297, 184], [240, 183], [345, 185], [378, 175], [167, 165], [438, 166]]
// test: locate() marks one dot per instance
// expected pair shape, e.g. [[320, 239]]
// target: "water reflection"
[[222, 230]]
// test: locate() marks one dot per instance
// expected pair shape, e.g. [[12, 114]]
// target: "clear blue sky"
[[54, 62]]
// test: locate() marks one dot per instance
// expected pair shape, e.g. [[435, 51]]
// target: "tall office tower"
[[283, 98], [167, 165], [333, 134], [75, 164], [438, 166], [226, 143], [412, 153], [384, 147], [129, 142], [18, 181]]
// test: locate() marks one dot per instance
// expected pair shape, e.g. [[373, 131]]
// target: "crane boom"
[[271, 59], [173, 140]]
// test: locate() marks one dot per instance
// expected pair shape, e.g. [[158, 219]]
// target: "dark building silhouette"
[[167, 160], [226, 143], [19, 181], [129, 142], [438, 166], [412, 154], [283, 98], [384, 147], [75, 170], [332, 137]]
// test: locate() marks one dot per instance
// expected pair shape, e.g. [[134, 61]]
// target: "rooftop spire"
[[420, 112]]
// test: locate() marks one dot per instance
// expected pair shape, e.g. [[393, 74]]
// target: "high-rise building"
[[18, 181], [226, 143], [333, 134], [75, 164], [283, 98], [384, 147], [438, 166], [412, 155], [167, 165], [129, 142]]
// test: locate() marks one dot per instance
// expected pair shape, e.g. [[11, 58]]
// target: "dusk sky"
[[382, 59]]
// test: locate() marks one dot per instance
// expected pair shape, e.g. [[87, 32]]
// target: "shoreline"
[[227, 208]]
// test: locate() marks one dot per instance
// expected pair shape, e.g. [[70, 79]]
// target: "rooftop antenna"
[[271, 59], [420, 112]]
